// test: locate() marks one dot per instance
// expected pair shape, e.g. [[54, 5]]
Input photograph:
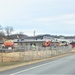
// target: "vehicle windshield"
[[37, 37]]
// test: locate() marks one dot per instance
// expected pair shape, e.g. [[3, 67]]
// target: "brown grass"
[[28, 55]]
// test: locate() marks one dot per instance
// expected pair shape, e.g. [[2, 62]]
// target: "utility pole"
[[34, 33]]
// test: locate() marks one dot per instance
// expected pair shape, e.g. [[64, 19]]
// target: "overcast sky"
[[44, 16]]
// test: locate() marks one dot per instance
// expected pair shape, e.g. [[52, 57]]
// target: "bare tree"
[[1, 31], [8, 31]]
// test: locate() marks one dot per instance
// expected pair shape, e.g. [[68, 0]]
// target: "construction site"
[[29, 50]]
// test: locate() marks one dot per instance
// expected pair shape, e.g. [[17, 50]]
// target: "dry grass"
[[11, 59], [27, 55]]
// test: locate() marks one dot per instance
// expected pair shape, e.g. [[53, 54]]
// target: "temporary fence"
[[29, 53]]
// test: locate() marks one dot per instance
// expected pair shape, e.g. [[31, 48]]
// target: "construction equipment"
[[7, 43], [47, 43]]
